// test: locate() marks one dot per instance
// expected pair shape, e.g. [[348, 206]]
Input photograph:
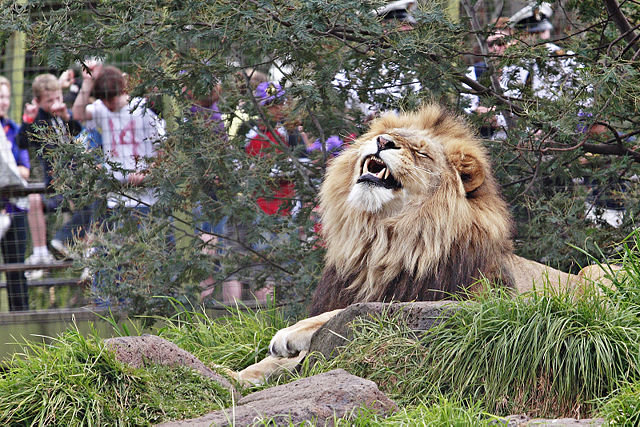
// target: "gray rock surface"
[[145, 349], [525, 421], [319, 398], [419, 316]]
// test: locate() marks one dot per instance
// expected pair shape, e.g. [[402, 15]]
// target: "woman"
[[14, 242]]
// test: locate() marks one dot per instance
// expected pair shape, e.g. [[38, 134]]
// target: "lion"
[[411, 211]]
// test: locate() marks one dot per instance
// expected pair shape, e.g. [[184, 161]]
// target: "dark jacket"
[[35, 135]]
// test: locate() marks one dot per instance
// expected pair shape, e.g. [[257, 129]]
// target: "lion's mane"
[[448, 227]]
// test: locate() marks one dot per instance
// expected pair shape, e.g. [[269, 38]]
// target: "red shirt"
[[281, 196]]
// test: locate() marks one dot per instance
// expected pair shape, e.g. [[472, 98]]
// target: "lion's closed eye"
[[425, 155]]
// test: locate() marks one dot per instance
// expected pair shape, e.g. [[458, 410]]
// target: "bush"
[[547, 165]]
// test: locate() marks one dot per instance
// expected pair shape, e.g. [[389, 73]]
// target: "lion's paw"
[[289, 342]]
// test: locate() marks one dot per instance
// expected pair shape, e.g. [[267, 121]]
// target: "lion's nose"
[[385, 144]]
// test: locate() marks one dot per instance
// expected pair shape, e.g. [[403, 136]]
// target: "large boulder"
[[419, 316], [139, 351], [319, 398]]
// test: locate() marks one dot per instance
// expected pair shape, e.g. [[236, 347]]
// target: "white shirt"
[[399, 86], [559, 74], [128, 138]]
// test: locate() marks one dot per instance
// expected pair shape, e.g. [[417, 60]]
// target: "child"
[[52, 117], [129, 130], [129, 133]]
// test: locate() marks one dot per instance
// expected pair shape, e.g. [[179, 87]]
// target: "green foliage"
[[442, 412], [547, 166], [75, 381], [623, 407], [236, 340], [550, 355]]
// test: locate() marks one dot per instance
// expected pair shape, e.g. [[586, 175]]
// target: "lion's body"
[[445, 228], [411, 212]]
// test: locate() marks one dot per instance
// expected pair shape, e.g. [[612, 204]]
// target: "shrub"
[[547, 165]]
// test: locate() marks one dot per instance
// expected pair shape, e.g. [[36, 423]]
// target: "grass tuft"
[[236, 341], [439, 412], [623, 407], [76, 381], [544, 355]]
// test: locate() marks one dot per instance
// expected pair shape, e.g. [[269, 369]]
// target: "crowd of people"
[[99, 109], [127, 133]]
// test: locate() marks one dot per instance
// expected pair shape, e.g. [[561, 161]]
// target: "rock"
[[145, 349], [525, 421], [419, 316], [319, 398]]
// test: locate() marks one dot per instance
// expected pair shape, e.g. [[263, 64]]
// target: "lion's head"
[[411, 211]]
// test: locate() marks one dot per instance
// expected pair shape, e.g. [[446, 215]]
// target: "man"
[[364, 86], [546, 79]]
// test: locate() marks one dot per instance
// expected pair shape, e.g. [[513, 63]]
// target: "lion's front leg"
[[288, 347], [259, 372], [289, 342]]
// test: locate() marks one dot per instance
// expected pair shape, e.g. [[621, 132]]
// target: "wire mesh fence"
[[36, 225]]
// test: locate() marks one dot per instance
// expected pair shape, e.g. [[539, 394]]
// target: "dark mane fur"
[[456, 275]]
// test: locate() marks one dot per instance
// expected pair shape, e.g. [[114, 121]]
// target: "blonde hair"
[[44, 83], [5, 82]]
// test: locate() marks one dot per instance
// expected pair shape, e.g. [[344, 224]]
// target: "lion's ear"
[[469, 168]]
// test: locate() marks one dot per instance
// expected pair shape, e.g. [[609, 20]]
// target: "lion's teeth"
[[386, 173], [366, 165]]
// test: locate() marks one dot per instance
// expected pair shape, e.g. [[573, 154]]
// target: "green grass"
[[75, 381], [441, 412], [549, 355], [623, 407], [236, 341]]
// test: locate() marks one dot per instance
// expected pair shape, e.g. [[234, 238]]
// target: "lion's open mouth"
[[375, 172]]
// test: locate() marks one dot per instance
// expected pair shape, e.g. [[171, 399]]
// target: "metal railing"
[[45, 282]]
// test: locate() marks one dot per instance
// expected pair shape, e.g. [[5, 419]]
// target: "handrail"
[[44, 266], [47, 282], [23, 191], [19, 191]]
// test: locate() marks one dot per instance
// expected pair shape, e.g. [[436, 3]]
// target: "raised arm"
[[79, 108]]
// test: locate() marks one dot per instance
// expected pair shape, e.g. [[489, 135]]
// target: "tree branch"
[[621, 22], [613, 150]]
